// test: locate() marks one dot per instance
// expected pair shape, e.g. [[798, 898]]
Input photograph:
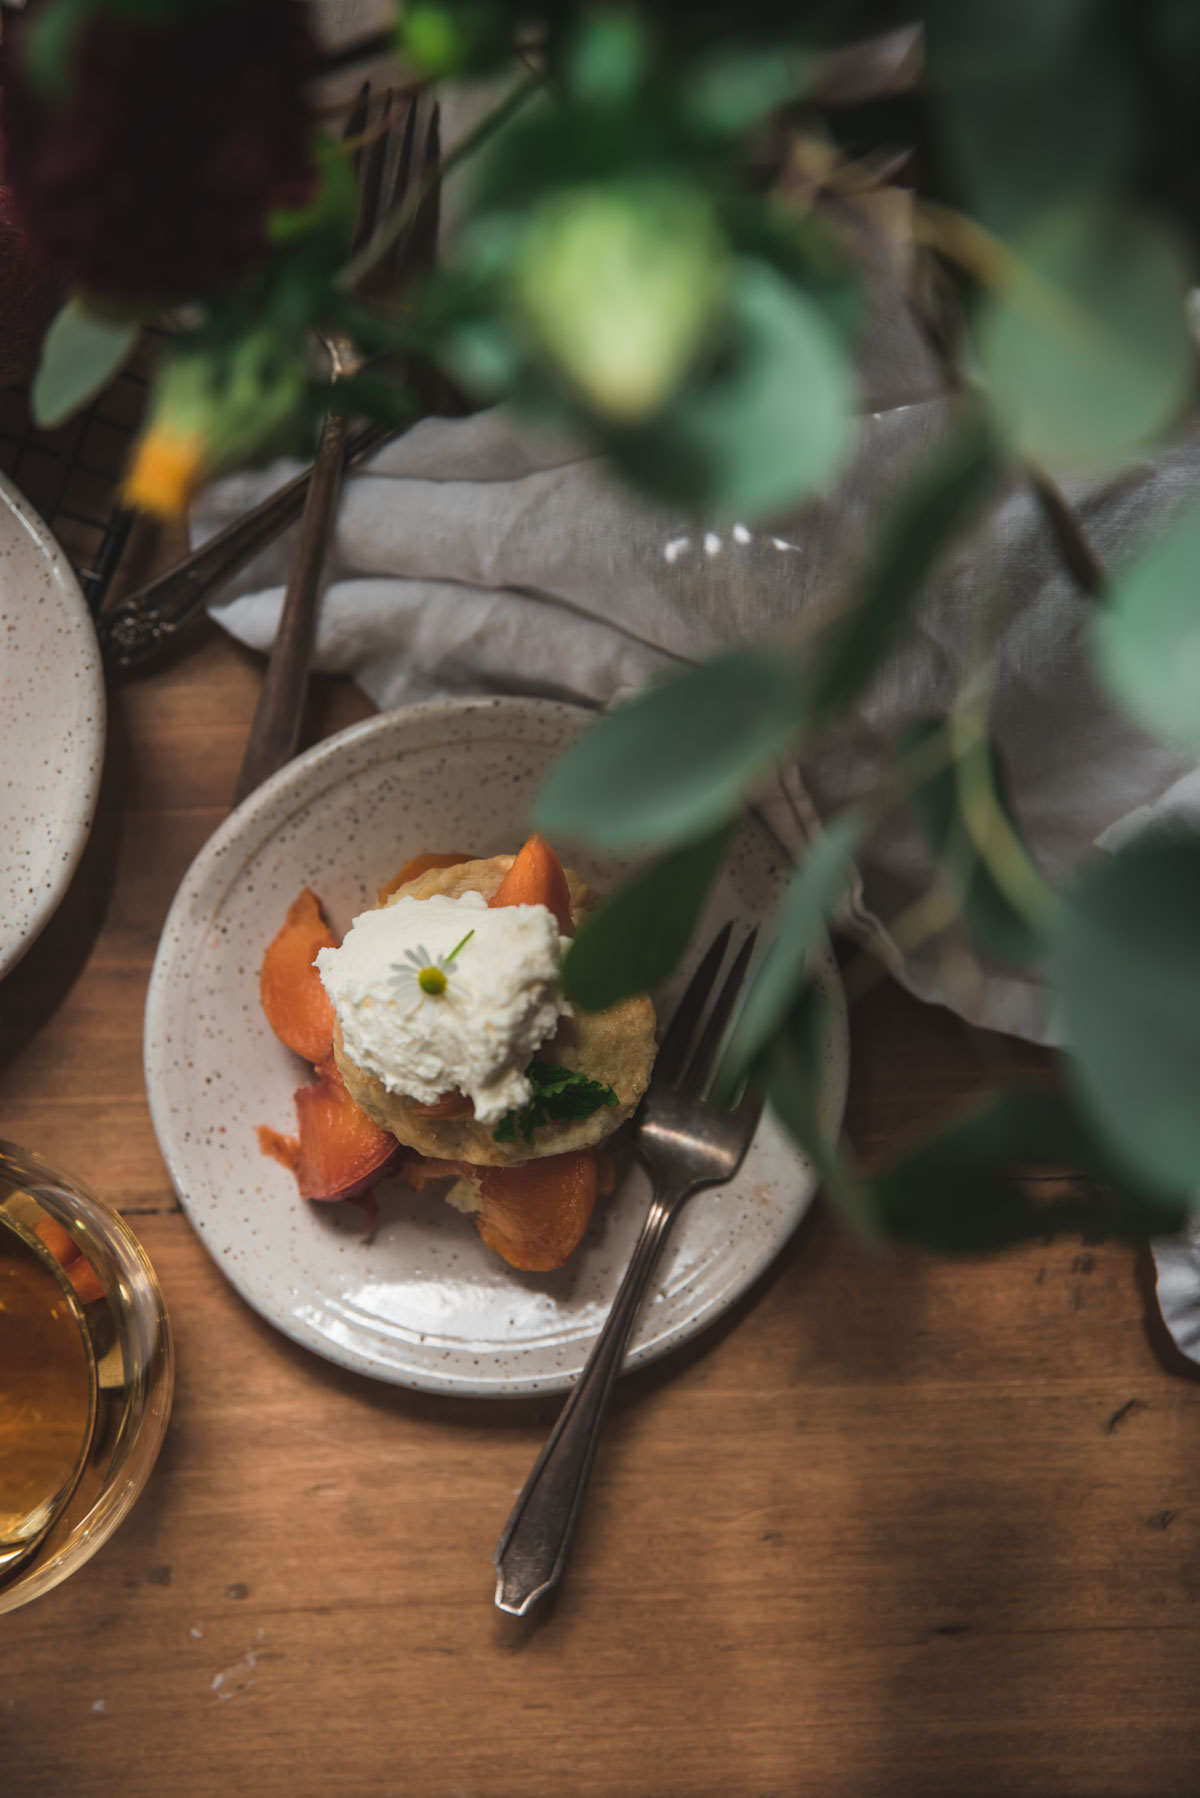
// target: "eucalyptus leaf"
[[1035, 103], [462, 37], [792, 1068], [331, 212], [812, 896], [769, 423], [943, 498], [641, 935], [1086, 348], [617, 286], [81, 353], [1147, 634], [729, 92], [609, 57], [1128, 966], [676, 760], [965, 1191], [992, 916]]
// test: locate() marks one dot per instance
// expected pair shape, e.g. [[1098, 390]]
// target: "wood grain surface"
[[895, 1526]]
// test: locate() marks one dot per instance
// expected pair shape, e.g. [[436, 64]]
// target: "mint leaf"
[[559, 1095]]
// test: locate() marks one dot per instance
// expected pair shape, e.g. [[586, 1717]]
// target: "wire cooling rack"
[[71, 475]]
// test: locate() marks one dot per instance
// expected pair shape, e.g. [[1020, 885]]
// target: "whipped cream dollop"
[[500, 997]]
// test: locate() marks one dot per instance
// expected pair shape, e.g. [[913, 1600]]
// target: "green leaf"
[[993, 917], [558, 1095], [617, 286], [944, 497], [639, 938], [963, 1191], [1128, 965], [81, 353], [459, 38], [814, 891], [729, 92], [1147, 634], [332, 212], [1086, 350], [677, 759], [768, 424], [1063, 72], [609, 58], [792, 1069]]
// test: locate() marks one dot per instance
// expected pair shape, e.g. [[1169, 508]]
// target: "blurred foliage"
[[660, 251]]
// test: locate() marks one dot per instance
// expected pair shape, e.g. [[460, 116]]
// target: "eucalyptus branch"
[[986, 258], [994, 839], [1078, 556]]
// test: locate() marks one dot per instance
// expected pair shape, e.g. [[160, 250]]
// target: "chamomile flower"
[[422, 976]]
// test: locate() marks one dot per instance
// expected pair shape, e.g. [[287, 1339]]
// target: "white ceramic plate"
[[51, 724], [425, 1304]]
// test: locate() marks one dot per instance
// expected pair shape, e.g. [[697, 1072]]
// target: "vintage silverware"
[[147, 620], [686, 1144], [390, 162]]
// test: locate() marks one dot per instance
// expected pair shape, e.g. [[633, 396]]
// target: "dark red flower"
[[154, 172]]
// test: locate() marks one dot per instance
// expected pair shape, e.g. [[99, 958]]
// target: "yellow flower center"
[[165, 472], [432, 981]]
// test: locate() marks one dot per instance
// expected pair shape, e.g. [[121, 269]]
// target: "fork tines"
[[678, 1063]]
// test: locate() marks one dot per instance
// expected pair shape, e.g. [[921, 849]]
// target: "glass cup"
[[86, 1374]]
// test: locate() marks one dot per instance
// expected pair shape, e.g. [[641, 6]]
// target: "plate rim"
[[79, 825], [156, 1034]]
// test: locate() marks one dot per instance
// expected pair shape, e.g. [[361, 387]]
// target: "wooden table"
[[896, 1526]]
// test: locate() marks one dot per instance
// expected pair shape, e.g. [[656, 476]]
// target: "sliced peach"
[[70, 1257], [341, 1152], [534, 1214], [283, 1149], [296, 1005], [420, 864], [536, 878]]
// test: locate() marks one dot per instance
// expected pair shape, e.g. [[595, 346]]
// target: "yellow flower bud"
[[166, 470]]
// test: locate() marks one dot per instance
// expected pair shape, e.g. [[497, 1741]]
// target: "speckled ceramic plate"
[[51, 724], [425, 1304]]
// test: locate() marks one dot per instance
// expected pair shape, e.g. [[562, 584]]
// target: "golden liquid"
[[47, 1394]]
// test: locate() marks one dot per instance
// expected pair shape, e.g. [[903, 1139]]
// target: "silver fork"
[[686, 1144], [389, 164]]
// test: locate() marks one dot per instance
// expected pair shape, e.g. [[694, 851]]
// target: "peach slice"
[[339, 1151], [295, 1004], [534, 1214], [420, 864], [70, 1257], [536, 878]]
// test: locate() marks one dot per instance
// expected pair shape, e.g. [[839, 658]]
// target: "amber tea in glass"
[[85, 1373], [47, 1392]]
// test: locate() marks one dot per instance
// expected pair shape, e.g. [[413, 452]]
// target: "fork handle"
[[145, 621], [275, 732], [532, 1552]]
